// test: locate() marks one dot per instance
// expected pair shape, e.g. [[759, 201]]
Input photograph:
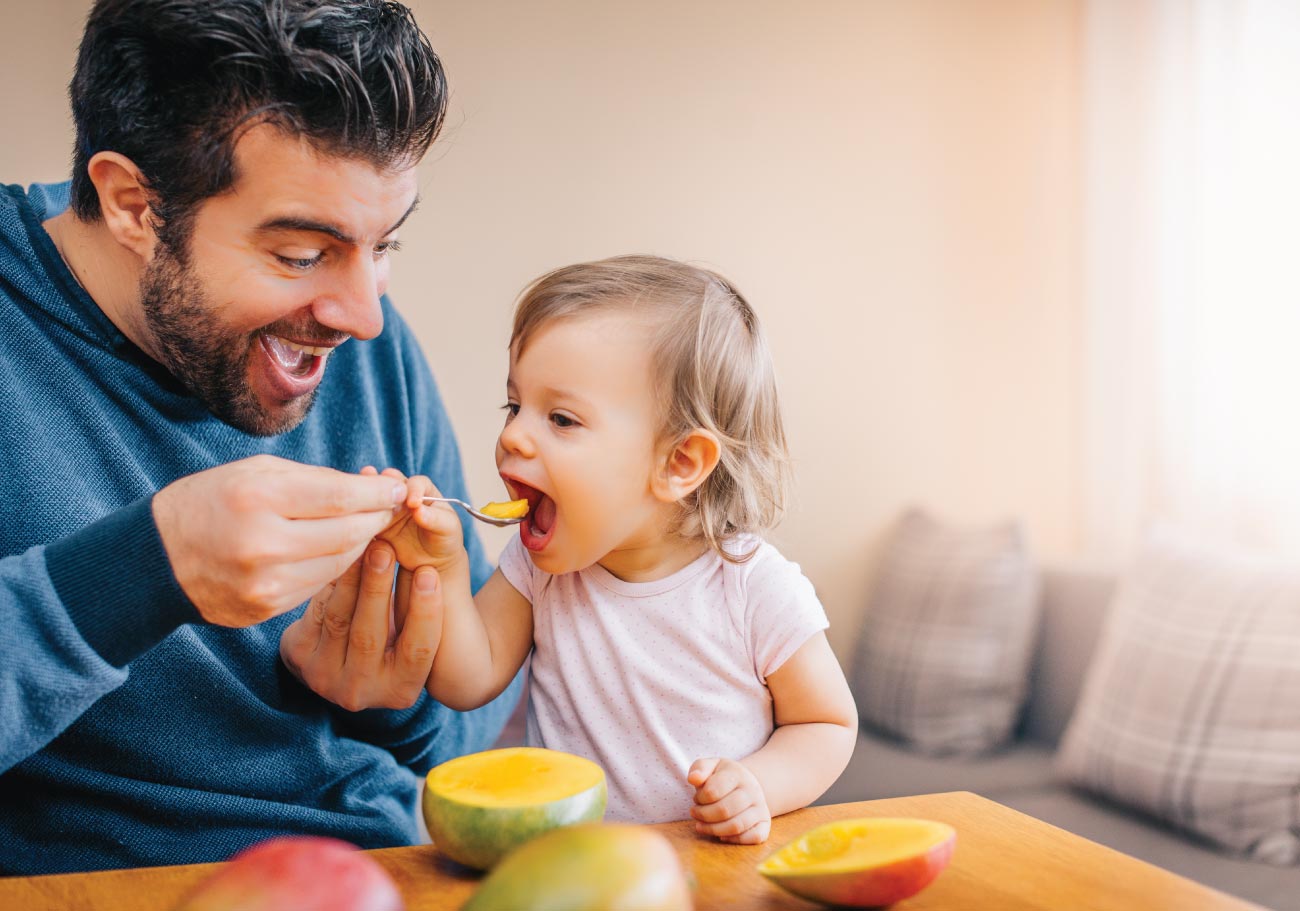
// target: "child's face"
[[579, 443]]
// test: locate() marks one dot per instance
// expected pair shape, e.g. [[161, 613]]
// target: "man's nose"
[[350, 303]]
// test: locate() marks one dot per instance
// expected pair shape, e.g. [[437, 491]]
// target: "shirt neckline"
[[607, 580]]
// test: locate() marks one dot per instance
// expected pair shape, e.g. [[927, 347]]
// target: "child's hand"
[[423, 535], [729, 802]]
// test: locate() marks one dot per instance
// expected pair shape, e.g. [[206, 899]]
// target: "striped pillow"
[[943, 658], [1190, 710]]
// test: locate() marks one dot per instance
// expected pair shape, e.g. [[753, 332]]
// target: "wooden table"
[[1004, 860]]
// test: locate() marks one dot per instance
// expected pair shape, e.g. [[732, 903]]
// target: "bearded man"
[[197, 358]]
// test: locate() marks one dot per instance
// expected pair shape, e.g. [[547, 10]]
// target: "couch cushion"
[[1273, 887], [880, 768], [943, 656], [1074, 604], [1191, 707]]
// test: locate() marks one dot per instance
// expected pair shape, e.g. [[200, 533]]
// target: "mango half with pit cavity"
[[863, 863], [512, 509], [482, 806]]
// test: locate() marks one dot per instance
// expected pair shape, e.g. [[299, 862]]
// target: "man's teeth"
[[305, 349], [293, 357]]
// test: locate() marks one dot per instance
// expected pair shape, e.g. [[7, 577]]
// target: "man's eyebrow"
[[294, 223]]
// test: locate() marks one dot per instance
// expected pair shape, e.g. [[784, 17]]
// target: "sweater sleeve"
[[75, 619]]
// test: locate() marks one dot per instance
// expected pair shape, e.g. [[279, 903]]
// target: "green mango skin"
[[591, 867], [478, 837]]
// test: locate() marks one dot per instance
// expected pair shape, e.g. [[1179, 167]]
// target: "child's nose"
[[515, 440]]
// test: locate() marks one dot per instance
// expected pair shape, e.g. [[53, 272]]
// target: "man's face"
[[278, 271]]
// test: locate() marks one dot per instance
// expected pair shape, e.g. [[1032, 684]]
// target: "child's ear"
[[685, 465], [124, 202]]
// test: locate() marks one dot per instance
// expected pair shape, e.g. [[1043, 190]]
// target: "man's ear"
[[124, 202], [685, 465]]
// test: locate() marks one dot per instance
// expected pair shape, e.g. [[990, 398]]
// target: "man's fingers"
[[332, 617], [368, 635], [401, 599], [299, 539], [421, 632], [313, 492]]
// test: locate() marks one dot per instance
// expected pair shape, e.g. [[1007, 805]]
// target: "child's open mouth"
[[539, 525]]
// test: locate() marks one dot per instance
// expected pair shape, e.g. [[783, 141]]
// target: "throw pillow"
[[1190, 709], [943, 658]]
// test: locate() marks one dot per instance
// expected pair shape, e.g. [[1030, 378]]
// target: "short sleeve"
[[782, 610], [518, 568]]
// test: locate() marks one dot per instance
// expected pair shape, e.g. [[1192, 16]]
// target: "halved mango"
[[511, 509], [863, 863], [481, 806]]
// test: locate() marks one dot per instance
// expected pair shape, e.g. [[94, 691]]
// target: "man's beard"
[[207, 357]]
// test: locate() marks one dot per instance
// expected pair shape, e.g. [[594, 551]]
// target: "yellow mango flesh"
[[516, 777], [513, 509], [863, 862], [481, 806]]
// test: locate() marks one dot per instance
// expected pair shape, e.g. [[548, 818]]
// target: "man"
[[196, 360]]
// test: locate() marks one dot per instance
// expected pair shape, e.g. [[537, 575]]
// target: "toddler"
[[670, 644]]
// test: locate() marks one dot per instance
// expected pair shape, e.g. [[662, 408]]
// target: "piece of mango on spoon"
[[511, 509]]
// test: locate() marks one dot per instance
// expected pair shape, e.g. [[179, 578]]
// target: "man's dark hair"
[[173, 84]]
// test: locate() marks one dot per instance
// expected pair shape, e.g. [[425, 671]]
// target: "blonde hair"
[[713, 371]]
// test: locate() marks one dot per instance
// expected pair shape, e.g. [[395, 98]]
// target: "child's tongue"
[[543, 515]]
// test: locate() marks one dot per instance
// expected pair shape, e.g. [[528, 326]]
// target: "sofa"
[[1073, 604]]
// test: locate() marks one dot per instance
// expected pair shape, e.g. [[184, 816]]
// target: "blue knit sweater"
[[130, 732]]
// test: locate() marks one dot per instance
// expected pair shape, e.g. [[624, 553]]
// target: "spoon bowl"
[[482, 517]]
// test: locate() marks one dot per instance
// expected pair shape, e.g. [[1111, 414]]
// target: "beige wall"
[[894, 185]]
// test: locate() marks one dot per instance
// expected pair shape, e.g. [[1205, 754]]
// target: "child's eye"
[[511, 409], [562, 420]]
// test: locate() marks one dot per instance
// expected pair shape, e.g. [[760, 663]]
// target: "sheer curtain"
[[1192, 271]]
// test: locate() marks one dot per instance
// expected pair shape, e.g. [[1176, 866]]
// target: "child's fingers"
[[700, 771], [732, 805], [755, 835], [732, 826], [414, 491], [725, 778], [438, 518], [417, 487]]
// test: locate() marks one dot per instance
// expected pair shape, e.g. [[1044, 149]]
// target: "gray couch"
[[1021, 775]]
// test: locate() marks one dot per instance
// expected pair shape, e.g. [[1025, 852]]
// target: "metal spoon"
[[491, 520]]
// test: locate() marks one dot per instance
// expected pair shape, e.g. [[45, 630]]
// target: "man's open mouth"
[[294, 368], [294, 358]]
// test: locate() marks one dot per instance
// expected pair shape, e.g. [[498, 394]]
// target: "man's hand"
[[729, 802], [356, 646], [252, 539]]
